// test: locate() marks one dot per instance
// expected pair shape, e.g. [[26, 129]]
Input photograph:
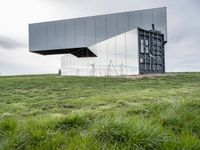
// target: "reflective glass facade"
[[113, 44]]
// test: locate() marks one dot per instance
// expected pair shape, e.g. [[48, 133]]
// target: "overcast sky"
[[182, 50]]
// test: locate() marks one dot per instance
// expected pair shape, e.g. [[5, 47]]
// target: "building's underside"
[[78, 52]]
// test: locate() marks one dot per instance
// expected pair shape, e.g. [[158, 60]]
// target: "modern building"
[[127, 43]]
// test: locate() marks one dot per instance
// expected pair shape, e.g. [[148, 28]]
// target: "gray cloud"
[[9, 43], [183, 49]]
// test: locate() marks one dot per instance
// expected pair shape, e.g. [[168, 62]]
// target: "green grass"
[[50, 112]]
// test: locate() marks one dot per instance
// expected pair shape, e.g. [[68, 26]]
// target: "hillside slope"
[[53, 112]]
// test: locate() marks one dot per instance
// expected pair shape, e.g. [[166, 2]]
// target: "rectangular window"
[[146, 42], [154, 43], [141, 45], [141, 60], [147, 49], [159, 44]]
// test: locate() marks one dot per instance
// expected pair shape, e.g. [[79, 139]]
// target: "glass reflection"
[[115, 56]]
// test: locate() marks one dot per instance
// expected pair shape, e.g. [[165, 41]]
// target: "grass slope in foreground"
[[52, 112]]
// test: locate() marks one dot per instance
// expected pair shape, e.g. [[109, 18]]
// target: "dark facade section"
[[151, 51]]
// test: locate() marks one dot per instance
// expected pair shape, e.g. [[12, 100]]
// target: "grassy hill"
[[52, 112]]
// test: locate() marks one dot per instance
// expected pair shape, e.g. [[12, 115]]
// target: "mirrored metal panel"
[[80, 32], [146, 19], [90, 30], [52, 35], [134, 20], [111, 25], [160, 20], [42, 36], [60, 34], [33, 37], [70, 34], [100, 25], [132, 53], [122, 23]]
